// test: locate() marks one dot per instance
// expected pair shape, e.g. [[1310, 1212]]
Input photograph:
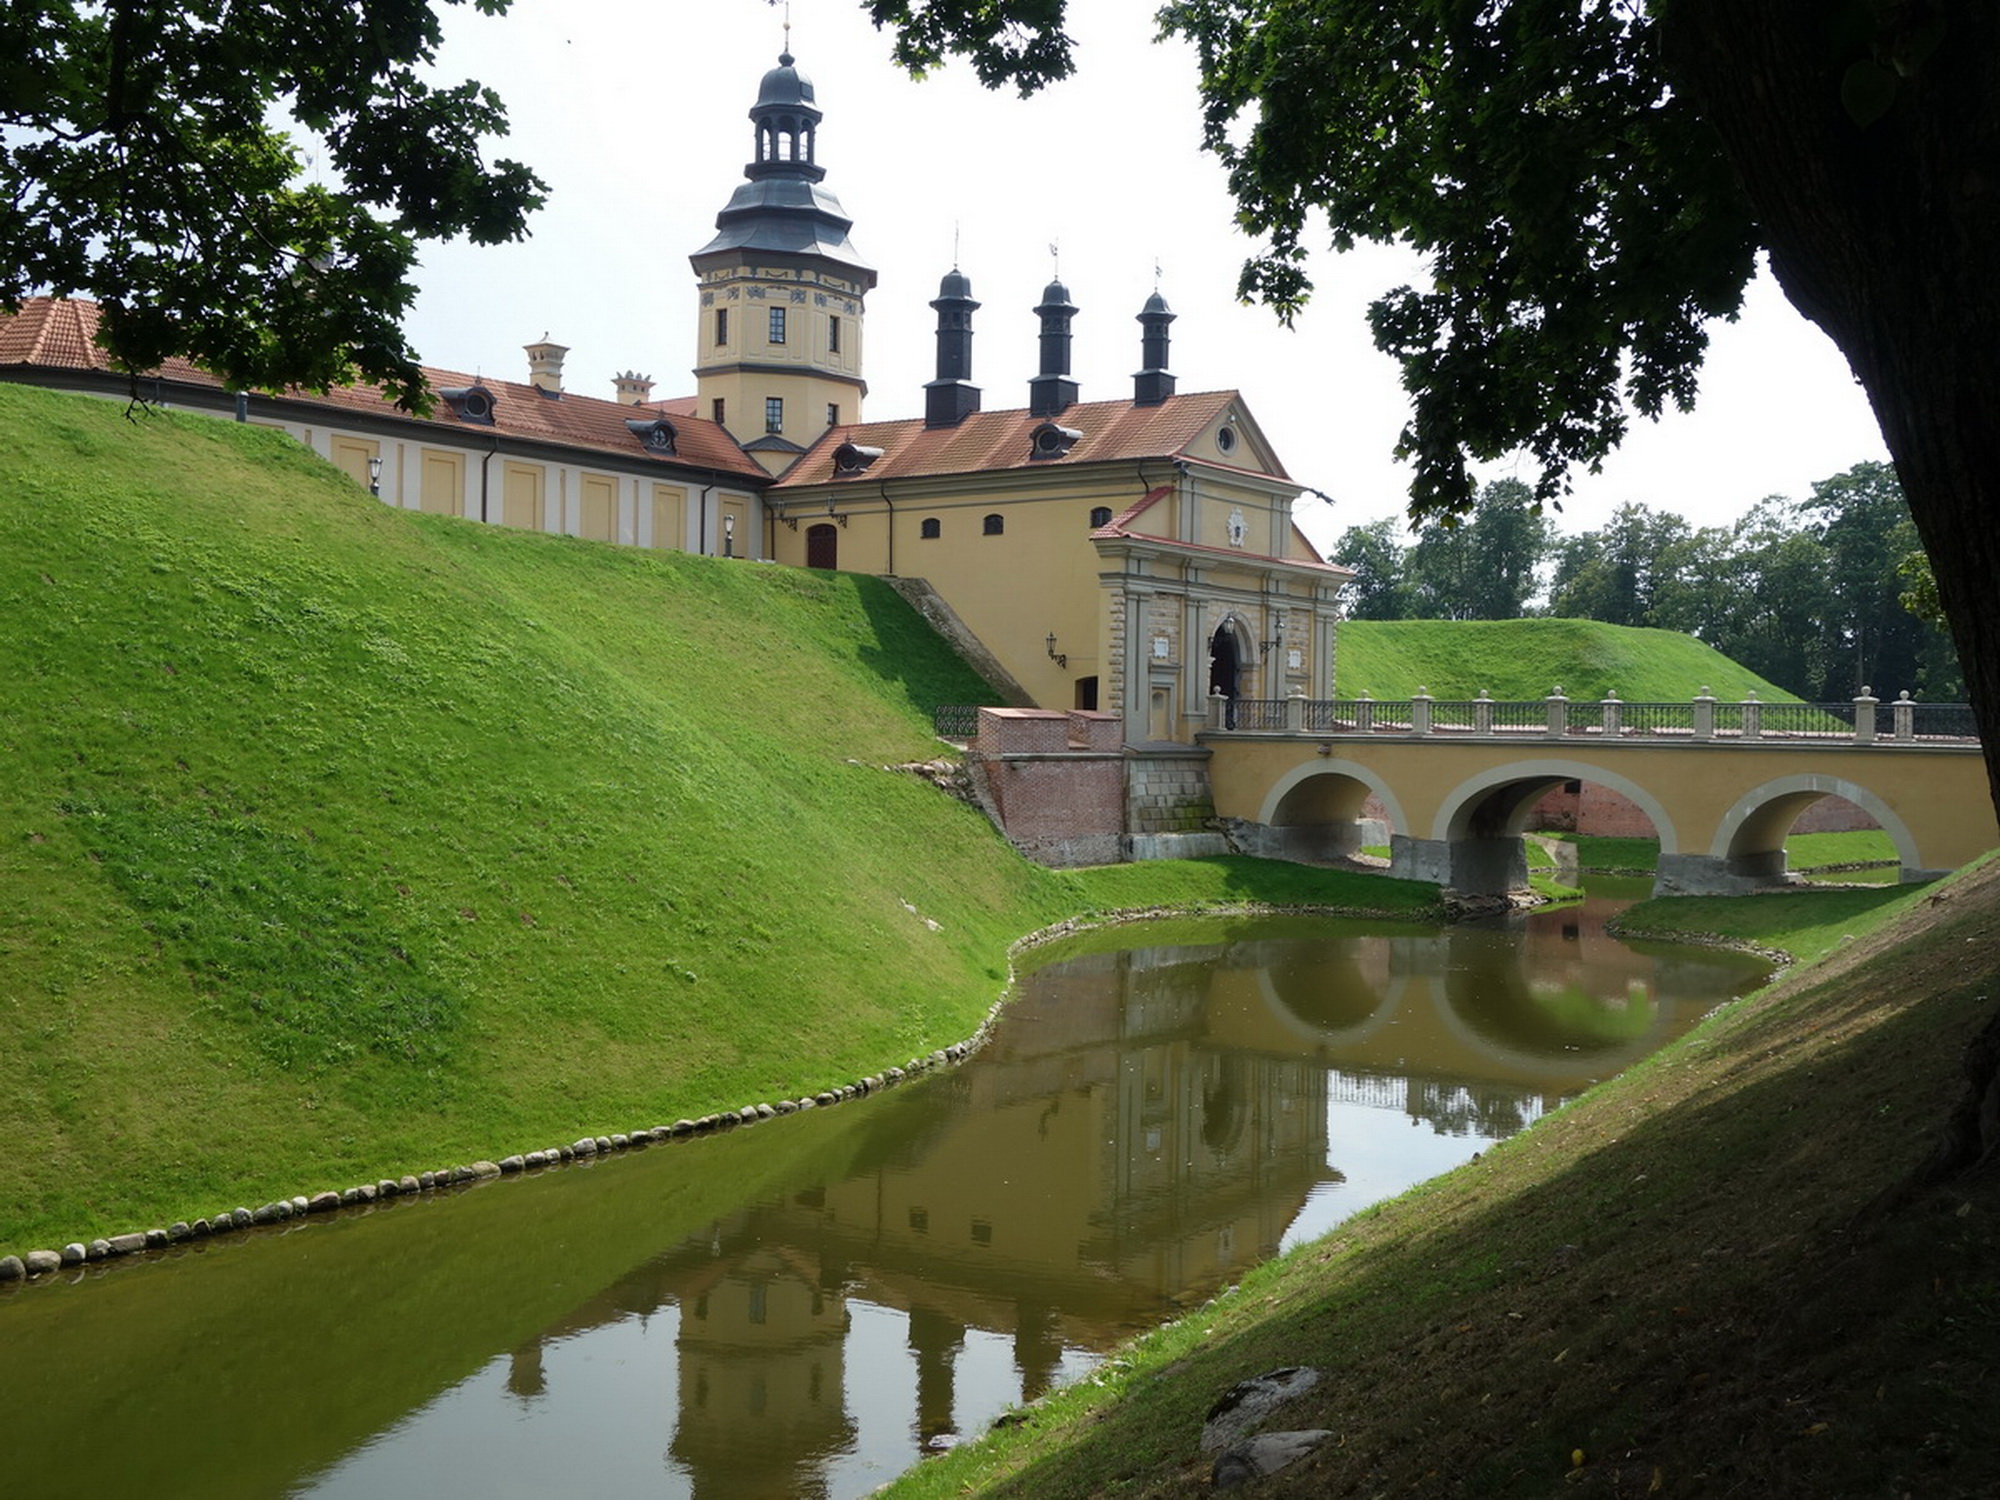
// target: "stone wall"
[[1168, 792]]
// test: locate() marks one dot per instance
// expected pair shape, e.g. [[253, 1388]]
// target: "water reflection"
[[800, 1309]]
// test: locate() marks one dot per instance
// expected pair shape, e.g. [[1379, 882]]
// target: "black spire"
[[1052, 390], [1152, 385], [951, 398]]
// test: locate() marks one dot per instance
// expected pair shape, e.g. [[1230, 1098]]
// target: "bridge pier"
[[1494, 866], [1717, 875]]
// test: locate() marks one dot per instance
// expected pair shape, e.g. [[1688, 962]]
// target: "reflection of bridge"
[[1722, 783]]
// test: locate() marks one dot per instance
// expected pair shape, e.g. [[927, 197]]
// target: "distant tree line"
[[1821, 596]]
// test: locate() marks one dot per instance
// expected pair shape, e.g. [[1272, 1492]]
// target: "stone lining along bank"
[[32, 1264]]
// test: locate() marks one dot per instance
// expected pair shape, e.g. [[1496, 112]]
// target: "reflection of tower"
[[935, 1339], [525, 1376], [1037, 1348], [762, 1378]]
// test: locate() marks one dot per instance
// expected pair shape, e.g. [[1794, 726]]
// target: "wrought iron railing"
[[955, 721]]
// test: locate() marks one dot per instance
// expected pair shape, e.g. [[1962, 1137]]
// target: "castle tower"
[[778, 342]]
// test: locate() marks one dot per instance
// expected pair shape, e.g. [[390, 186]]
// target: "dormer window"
[[657, 434], [1052, 441], [852, 458], [469, 403]]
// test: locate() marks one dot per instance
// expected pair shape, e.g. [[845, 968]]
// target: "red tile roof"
[[60, 334], [990, 441]]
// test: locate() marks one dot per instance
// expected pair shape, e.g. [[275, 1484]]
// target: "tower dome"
[[784, 85]]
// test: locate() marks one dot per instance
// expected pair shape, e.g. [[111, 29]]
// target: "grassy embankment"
[[1521, 660], [338, 842], [1707, 1277]]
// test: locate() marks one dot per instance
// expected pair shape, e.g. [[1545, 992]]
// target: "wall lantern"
[[1060, 658], [375, 474]]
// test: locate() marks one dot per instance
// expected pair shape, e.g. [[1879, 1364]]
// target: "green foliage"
[[140, 168], [1809, 594], [1578, 221], [1485, 566], [1021, 42], [1379, 589]]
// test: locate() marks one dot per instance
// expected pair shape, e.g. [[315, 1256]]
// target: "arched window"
[[994, 524], [1100, 516], [930, 530]]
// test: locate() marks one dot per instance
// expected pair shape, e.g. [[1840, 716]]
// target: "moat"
[[805, 1307]]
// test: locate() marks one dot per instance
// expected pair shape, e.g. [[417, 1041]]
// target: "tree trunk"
[[1886, 235]]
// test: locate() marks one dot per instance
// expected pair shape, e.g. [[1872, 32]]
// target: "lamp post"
[[375, 475]]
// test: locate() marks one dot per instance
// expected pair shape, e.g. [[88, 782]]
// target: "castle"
[[1133, 558]]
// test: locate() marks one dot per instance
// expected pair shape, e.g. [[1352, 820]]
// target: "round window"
[[1225, 439]]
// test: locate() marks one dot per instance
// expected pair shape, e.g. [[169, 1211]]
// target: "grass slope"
[[1707, 1277], [338, 842], [1524, 659]]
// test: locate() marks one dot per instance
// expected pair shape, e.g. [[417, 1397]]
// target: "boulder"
[[1246, 1404], [1266, 1453]]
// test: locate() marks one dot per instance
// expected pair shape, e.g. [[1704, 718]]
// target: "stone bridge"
[[1722, 782]]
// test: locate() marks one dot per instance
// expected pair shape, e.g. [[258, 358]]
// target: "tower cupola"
[[951, 398], [778, 343], [1050, 392], [1152, 385]]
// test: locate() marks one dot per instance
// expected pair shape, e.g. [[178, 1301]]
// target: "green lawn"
[[1525, 659], [340, 842]]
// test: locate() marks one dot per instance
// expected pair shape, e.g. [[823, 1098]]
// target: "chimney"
[[545, 362], [1052, 390], [951, 398], [1152, 385], [633, 389]]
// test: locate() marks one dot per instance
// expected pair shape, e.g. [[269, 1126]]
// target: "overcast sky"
[[636, 114]]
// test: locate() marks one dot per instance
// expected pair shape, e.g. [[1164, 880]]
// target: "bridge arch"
[[1496, 802], [1475, 839], [1751, 834], [1313, 811]]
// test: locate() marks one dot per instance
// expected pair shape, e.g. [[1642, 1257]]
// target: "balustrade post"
[[1753, 715], [1904, 714], [1611, 708], [1864, 717], [1482, 713], [1420, 711], [1364, 712], [1704, 714], [1295, 712], [1558, 707], [1218, 711]]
